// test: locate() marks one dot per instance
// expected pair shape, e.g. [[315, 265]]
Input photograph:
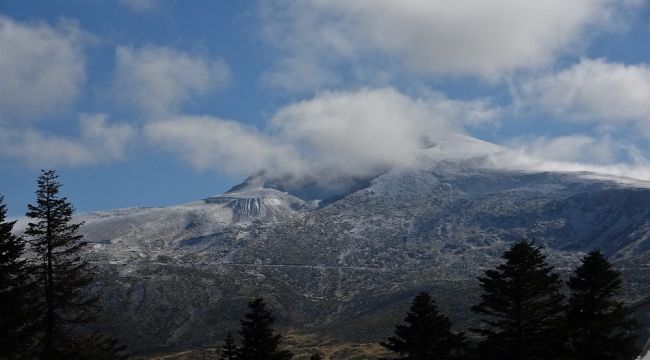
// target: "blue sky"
[[158, 102]]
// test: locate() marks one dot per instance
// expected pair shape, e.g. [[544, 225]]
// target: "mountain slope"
[[343, 260]]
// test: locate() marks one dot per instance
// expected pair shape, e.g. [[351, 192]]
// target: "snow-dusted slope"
[[148, 231], [341, 261]]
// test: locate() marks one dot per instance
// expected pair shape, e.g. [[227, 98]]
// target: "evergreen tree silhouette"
[[96, 346], [258, 339], [229, 349], [15, 292], [64, 278], [599, 326], [427, 334], [522, 307]]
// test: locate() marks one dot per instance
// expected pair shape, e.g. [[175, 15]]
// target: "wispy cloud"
[[602, 156], [577, 148], [517, 160], [98, 141], [157, 81]]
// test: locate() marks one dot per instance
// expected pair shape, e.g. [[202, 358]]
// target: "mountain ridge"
[[180, 276]]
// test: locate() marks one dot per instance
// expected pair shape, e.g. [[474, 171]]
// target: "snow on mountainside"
[[342, 260], [150, 229]]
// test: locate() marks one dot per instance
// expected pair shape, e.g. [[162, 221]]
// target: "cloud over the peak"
[[157, 81], [99, 141], [601, 155], [42, 67], [335, 133], [360, 131], [463, 37]]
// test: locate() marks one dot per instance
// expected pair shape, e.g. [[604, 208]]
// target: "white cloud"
[[98, 141], [333, 134], [466, 113], [593, 90], [140, 5], [614, 97], [462, 37], [223, 145], [159, 80], [107, 141], [522, 161], [570, 148], [599, 156], [360, 132], [42, 67]]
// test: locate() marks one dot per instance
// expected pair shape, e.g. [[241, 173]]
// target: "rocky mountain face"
[[341, 263]]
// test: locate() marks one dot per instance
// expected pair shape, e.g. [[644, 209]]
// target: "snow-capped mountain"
[[342, 260]]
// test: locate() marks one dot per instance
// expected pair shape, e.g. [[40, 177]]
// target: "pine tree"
[[522, 307], [96, 346], [427, 334], [64, 277], [15, 291], [599, 326], [229, 349], [258, 339]]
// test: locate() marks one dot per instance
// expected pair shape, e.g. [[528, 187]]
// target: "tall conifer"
[[63, 276], [15, 291], [259, 342], [521, 306], [427, 334], [600, 326], [229, 349]]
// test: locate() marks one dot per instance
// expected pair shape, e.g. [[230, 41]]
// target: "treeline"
[[526, 311], [525, 315], [46, 294]]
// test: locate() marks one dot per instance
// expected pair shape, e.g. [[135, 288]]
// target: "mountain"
[[341, 261]]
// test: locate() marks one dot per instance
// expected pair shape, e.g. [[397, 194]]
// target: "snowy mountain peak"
[[455, 146]]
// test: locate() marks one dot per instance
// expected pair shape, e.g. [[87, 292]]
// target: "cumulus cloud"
[[98, 141], [335, 133], [42, 67], [224, 145], [361, 131], [463, 37], [593, 90], [159, 80]]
